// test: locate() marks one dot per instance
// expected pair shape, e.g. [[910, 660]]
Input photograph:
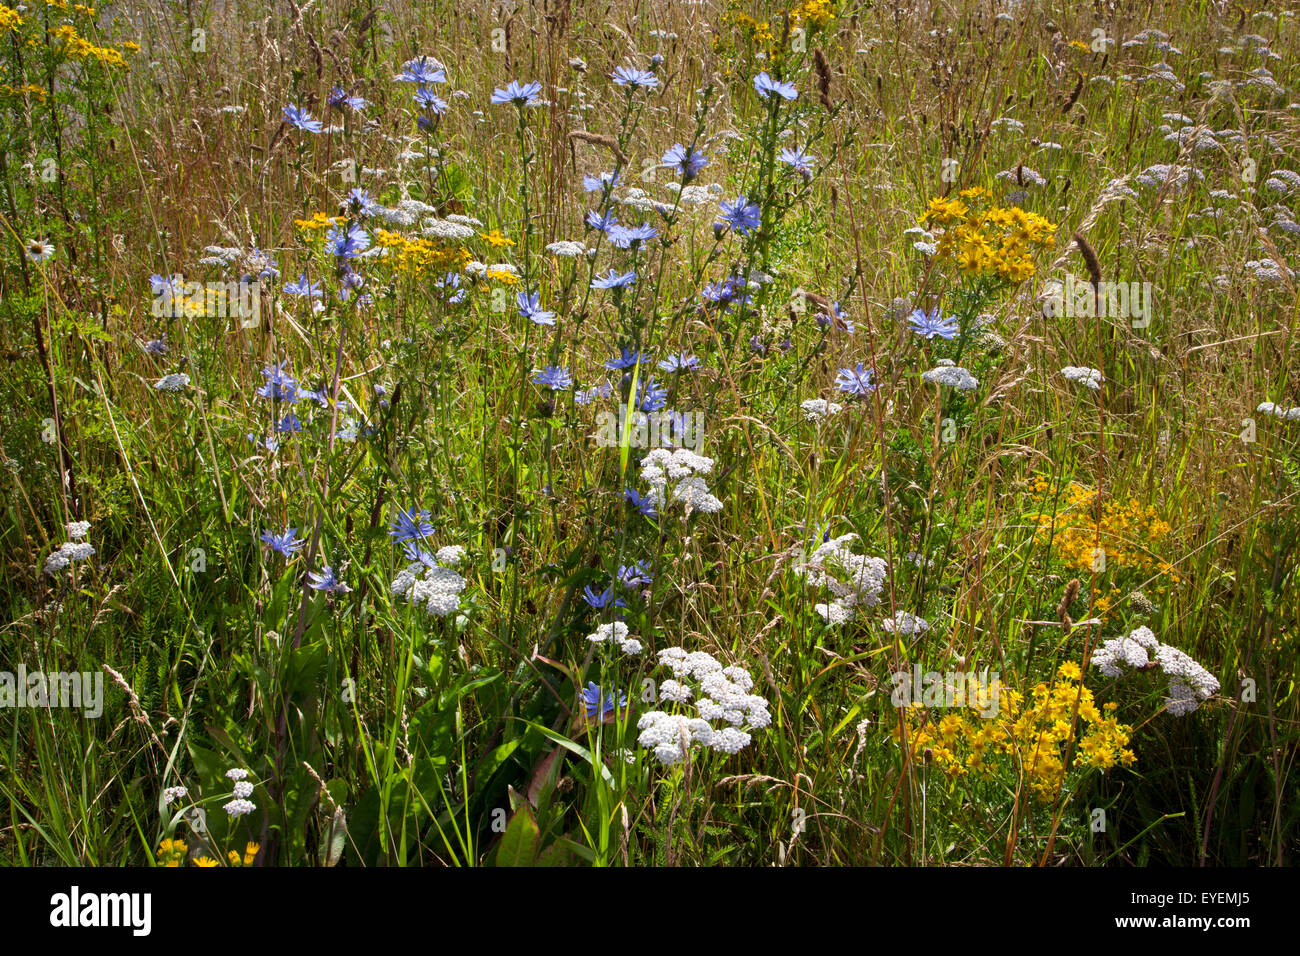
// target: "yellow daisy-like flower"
[[495, 238], [318, 221], [1029, 740], [205, 861], [171, 852], [943, 210]]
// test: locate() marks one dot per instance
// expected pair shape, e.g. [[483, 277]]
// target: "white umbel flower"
[[953, 376], [1089, 377], [439, 591], [437, 588], [566, 249], [1189, 683], [853, 579], [616, 633], [675, 692], [685, 468], [818, 409], [239, 807], [1277, 411], [695, 495], [172, 383], [67, 553], [451, 555], [661, 465], [904, 623], [447, 231], [722, 695]]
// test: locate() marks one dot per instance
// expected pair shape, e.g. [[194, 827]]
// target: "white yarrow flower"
[[952, 376], [1190, 684], [1089, 377], [818, 409], [174, 382], [239, 807]]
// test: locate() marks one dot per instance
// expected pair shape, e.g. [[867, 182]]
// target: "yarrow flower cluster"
[[1277, 411], [684, 467], [904, 622], [723, 696], [429, 581], [818, 409], [76, 548], [1190, 684], [174, 382], [1089, 377], [243, 789], [953, 376], [616, 634], [854, 579]]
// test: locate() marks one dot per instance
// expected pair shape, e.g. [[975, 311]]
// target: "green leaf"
[[519, 843], [332, 841]]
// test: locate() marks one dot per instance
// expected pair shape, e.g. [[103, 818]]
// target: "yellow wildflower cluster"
[[9, 19], [1103, 603], [1036, 737], [27, 89], [496, 238], [759, 31], [318, 222], [809, 13], [988, 240], [1088, 535], [250, 854], [815, 13], [416, 256], [172, 853], [78, 47], [201, 300]]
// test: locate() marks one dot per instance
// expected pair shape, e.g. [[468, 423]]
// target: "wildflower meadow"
[[648, 433]]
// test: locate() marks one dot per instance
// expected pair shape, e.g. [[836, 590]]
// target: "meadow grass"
[[429, 710]]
